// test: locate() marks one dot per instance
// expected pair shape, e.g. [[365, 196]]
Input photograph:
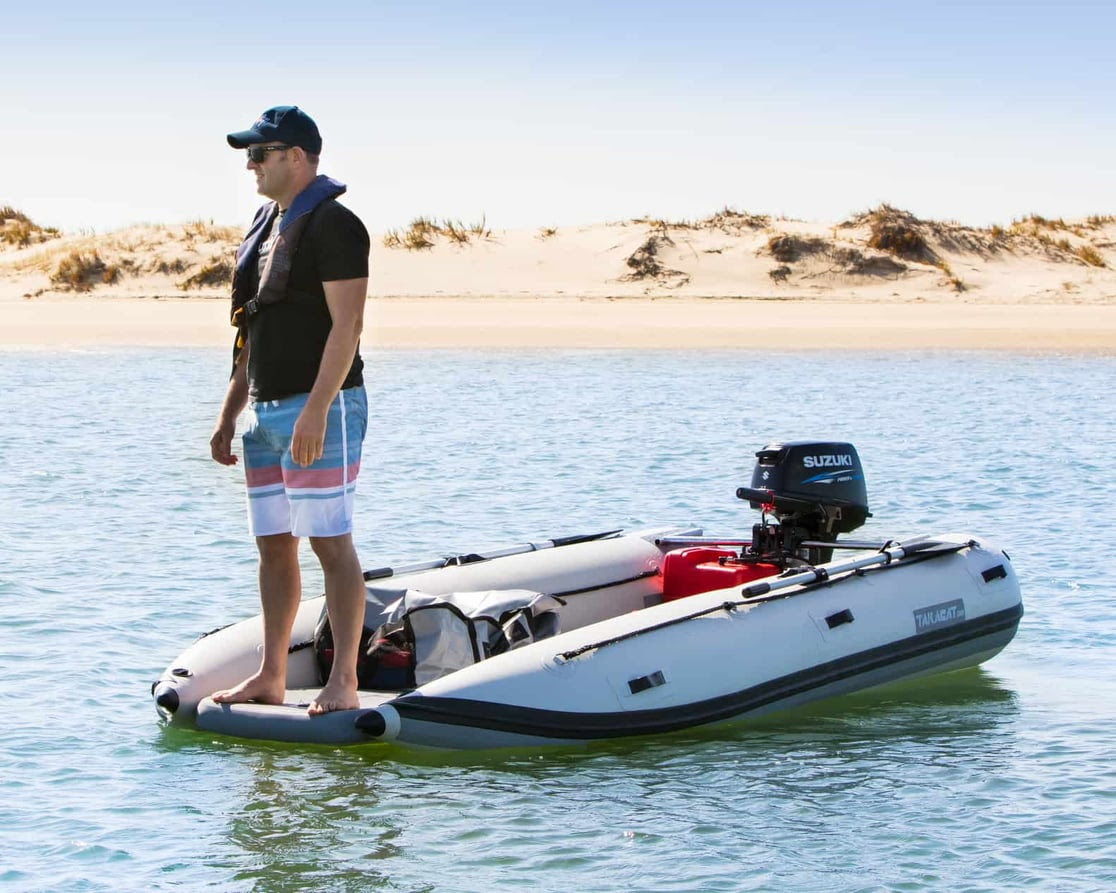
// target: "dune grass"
[[1090, 255], [17, 229], [216, 273], [199, 254], [899, 233], [79, 271], [788, 248], [728, 220], [423, 232]]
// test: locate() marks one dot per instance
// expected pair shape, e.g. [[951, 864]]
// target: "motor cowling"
[[814, 489]]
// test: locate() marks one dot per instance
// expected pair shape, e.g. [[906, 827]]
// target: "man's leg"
[[345, 595], [280, 592]]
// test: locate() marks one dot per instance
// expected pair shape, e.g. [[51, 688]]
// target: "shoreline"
[[469, 321]]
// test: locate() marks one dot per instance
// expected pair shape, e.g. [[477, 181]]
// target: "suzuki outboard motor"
[[814, 491]]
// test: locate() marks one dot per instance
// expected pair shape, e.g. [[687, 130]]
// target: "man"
[[298, 304]]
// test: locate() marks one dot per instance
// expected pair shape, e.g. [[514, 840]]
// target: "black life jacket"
[[252, 291]]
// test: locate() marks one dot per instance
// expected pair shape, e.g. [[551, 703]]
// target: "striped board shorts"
[[284, 497]]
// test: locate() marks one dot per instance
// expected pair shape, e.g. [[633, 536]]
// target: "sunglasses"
[[258, 153]]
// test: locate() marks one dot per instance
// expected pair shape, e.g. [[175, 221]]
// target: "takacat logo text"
[[934, 616]]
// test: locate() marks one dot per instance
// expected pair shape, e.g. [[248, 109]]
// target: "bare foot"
[[335, 696], [254, 688]]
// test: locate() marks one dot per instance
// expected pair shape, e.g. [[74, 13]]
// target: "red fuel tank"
[[696, 569]]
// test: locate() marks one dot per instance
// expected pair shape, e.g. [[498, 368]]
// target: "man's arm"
[[236, 398], [345, 299]]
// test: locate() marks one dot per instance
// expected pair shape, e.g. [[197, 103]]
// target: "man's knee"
[[334, 551], [277, 547]]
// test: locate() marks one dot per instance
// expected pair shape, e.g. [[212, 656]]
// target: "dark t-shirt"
[[286, 339]]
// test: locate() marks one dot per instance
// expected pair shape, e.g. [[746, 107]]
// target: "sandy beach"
[[465, 322], [879, 280]]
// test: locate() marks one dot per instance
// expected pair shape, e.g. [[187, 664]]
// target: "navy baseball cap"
[[283, 124]]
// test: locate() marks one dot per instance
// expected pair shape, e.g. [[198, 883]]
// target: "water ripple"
[[120, 542]]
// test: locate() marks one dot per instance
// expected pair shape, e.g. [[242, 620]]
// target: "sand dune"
[[879, 279]]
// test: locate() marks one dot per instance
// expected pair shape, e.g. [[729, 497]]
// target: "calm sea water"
[[120, 542]]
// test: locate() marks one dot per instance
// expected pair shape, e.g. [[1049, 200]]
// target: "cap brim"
[[245, 138]]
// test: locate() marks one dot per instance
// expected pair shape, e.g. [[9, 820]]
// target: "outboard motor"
[[814, 491]]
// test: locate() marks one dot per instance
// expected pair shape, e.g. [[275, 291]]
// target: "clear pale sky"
[[565, 112]]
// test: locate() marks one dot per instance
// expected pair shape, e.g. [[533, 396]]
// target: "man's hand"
[[236, 396], [308, 436], [220, 444]]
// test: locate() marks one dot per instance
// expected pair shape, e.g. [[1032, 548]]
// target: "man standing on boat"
[[298, 305]]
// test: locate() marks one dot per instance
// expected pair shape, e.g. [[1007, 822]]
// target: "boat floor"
[[289, 721]]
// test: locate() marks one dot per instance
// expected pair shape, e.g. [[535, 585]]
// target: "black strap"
[[308, 299]]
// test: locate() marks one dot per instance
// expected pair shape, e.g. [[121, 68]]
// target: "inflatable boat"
[[625, 633]]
